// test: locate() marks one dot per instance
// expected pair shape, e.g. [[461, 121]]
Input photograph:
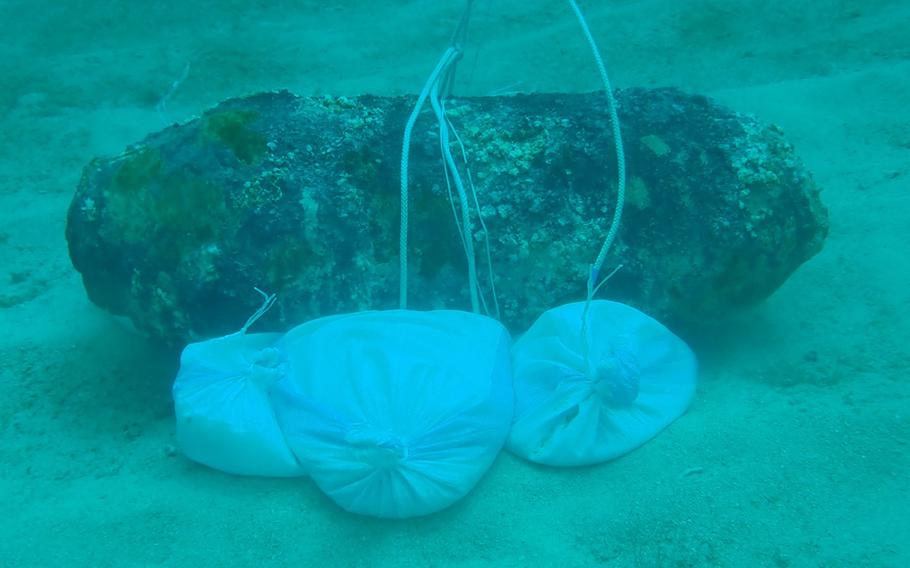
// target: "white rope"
[[483, 226], [592, 285], [620, 153], [268, 302], [444, 62], [443, 75], [451, 169]]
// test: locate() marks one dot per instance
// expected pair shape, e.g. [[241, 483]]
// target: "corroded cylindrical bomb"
[[300, 196]]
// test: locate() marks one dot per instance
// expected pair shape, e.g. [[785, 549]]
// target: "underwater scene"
[[455, 283]]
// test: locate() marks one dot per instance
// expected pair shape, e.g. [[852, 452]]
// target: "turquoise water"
[[794, 451]]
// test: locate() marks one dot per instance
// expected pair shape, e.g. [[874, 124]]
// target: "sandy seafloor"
[[796, 451]]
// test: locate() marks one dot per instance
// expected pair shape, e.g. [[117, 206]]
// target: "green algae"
[[232, 128], [171, 213]]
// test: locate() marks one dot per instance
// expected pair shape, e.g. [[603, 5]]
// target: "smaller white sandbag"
[[224, 417], [396, 413], [572, 409]]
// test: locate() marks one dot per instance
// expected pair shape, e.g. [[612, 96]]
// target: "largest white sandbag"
[[396, 413]]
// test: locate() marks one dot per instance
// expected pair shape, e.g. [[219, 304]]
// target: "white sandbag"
[[224, 417], [396, 413], [576, 410]]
